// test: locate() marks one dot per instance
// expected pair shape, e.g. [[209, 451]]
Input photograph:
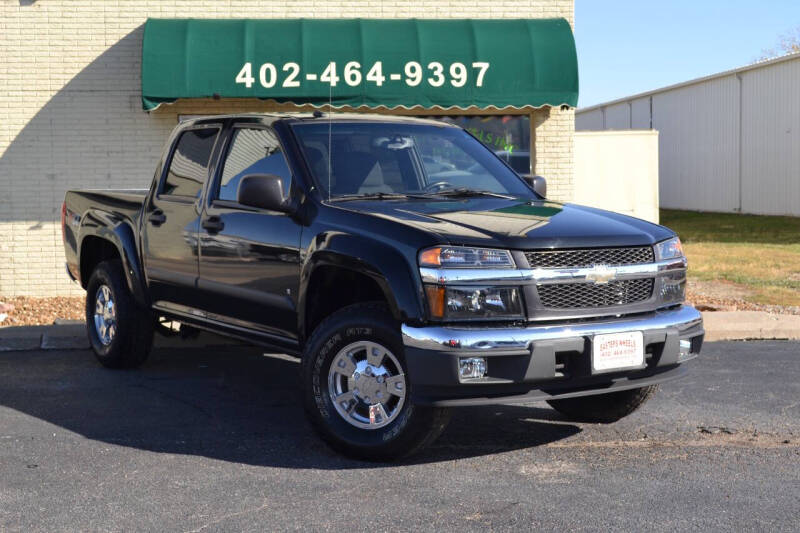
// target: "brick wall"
[[70, 112], [553, 150]]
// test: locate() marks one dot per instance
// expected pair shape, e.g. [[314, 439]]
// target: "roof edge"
[[724, 73], [512, 109]]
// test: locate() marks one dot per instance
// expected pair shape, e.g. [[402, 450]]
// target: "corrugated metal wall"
[[726, 143], [771, 139], [698, 159], [618, 117], [640, 114], [590, 120]]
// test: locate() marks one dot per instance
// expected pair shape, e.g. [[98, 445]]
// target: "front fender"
[[385, 264], [121, 233]]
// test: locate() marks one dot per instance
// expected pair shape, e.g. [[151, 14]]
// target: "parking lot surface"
[[208, 440]]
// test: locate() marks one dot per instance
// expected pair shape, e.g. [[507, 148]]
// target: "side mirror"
[[264, 191], [538, 184]]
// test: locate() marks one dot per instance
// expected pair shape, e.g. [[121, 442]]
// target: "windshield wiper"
[[465, 193], [378, 196], [460, 192]]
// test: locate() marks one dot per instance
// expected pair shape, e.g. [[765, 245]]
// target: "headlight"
[[673, 283], [669, 249], [474, 303], [465, 257]]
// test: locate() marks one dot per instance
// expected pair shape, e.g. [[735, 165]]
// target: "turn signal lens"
[[465, 257], [64, 221], [435, 296], [430, 257]]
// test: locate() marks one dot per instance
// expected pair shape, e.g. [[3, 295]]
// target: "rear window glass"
[[188, 168]]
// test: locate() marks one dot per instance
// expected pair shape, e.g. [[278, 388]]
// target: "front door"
[[250, 258], [172, 219]]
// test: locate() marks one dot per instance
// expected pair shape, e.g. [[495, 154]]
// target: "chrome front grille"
[[586, 257], [590, 295]]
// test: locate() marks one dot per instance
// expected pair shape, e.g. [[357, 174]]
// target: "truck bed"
[[128, 201], [110, 207]]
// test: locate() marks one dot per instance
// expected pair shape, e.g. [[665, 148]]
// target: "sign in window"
[[508, 136]]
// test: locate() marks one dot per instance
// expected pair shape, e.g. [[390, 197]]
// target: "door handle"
[[213, 224], [157, 217]]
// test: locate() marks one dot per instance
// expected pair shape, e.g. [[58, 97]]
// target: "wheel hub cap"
[[105, 315], [367, 385]]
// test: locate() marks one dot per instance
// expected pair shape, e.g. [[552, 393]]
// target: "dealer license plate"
[[617, 351]]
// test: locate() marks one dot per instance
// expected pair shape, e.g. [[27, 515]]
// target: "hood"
[[516, 224]]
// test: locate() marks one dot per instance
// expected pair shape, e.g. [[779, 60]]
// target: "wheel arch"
[[105, 237], [368, 268]]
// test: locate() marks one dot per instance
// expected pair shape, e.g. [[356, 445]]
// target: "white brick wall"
[[553, 150], [71, 117]]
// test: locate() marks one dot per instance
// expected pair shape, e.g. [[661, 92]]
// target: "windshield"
[[379, 159]]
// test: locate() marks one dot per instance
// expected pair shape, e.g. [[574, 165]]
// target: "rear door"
[[250, 258], [172, 218]]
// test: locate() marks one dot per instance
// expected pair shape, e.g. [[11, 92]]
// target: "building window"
[[508, 136]]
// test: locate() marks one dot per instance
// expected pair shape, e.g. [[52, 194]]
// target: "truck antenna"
[[330, 144]]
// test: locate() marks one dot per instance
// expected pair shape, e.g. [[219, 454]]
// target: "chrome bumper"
[[488, 339]]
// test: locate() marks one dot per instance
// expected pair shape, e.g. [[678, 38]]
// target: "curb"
[[746, 325]]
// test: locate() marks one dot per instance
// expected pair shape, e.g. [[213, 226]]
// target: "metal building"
[[728, 142]]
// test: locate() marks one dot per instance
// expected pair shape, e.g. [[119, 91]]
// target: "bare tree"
[[788, 43]]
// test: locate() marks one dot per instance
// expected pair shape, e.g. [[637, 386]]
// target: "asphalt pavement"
[[215, 440]]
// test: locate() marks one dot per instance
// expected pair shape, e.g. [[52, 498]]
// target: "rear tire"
[[604, 408], [120, 331], [360, 346]]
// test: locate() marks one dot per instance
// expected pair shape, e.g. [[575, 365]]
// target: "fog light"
[[685, 351], [471, 367]]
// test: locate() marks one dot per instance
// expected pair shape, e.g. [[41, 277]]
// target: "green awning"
[[373, 63]]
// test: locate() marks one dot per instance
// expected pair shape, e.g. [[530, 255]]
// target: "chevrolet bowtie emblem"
[[601, 274]]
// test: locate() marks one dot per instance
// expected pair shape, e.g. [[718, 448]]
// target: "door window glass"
[[188, 168], [253, 151]]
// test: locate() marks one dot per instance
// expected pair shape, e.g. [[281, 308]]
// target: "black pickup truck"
[[407, 266]]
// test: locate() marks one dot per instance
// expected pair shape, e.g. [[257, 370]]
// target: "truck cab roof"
[[269, 118]]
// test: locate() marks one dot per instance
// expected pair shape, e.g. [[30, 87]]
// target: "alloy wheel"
[[105, 315], [367, 385]]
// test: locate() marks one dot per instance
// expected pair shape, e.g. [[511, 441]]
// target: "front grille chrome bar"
[[546, 276]]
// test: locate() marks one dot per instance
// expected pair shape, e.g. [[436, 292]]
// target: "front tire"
[[120, 331], [355, 389], [604, 408]]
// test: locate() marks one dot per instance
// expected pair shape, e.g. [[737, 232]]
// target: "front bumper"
[[544, 361]]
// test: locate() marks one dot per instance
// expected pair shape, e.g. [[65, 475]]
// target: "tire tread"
[[136, 342], [428, 423]]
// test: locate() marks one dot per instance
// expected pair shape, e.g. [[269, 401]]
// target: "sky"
[[627, 47]]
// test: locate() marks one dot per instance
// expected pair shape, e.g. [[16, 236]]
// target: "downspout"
[[630, 114], [739, 147]]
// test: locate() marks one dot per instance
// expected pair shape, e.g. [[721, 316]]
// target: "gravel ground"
[[29, 311], [722, 296]]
